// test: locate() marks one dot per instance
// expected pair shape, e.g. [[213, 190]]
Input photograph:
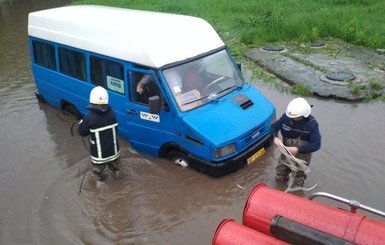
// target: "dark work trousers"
[[98, 169], [283, 171]]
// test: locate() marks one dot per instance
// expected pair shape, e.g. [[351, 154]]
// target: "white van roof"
[[148, 38]]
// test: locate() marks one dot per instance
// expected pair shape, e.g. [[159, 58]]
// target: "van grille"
[[243, 101], [253, 134]]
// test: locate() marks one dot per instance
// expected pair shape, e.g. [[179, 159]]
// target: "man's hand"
[[139, 89], [277, 141], [293, 150]]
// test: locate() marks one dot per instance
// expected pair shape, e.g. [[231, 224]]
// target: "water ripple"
[[126, 209]]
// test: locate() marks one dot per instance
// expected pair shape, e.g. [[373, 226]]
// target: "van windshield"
[[201, 81]]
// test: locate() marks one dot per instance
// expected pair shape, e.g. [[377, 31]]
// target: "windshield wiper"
[[212, 96]]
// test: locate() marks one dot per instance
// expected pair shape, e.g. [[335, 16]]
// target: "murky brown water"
[[155, 202]]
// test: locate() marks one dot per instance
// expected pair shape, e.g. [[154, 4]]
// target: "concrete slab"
[[311, 67]]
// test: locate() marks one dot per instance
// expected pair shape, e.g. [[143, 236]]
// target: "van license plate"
[[256, 155]]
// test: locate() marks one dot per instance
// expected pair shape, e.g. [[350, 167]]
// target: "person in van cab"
[[192, 89], [146, 88], [192, 80], [101, 125]]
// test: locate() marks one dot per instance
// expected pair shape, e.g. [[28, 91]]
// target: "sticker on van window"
[[176, 89], [115, 84], [149, 116], [189, 96]]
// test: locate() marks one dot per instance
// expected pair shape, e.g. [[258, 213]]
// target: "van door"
[[147, 132]]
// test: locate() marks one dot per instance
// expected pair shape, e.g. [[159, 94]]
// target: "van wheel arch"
[[176, 154], [71, 109]]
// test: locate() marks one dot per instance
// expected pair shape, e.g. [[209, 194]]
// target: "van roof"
[[149, 38]]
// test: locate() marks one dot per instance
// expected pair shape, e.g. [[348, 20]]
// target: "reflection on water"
[[15, 69], [154, 201]]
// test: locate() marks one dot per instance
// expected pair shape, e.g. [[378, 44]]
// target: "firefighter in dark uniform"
[[300, 134], [101, 125]]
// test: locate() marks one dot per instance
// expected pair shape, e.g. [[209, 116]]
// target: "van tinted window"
[[108, 74], [44, 54], [72, 63]]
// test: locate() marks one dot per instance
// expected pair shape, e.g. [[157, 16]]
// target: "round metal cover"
[[273, 48], [317, 44], [340, 76]]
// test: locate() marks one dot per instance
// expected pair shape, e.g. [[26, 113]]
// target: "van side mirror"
[[154, 103]]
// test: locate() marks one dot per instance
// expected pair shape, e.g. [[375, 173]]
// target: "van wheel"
[[178, 158], [73, 111]]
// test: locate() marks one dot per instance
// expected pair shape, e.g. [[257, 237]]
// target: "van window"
[[143, 87], [108, 74], [44, 54], [72, 63]]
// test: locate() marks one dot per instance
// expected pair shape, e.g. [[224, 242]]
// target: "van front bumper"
[[218, 169]]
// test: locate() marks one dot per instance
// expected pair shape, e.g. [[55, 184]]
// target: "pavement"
[[329, 69]]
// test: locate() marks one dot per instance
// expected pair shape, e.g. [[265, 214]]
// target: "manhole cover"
[[273, 48], [317, 44], [340, 76]]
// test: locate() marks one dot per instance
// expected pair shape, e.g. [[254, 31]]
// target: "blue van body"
[[215, 127]]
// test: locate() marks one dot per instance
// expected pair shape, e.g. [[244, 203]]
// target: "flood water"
[[44, 201]]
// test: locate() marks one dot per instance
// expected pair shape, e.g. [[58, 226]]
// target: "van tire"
[[178, 158], [71, 109]]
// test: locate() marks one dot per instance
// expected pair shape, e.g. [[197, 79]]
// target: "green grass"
[[375, 83], [245, 23], [357, 89], [301, 90]]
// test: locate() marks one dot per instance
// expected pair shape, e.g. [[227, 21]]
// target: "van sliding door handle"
[[132, 111]]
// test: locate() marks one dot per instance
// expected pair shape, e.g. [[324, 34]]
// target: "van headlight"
[[224, 151]]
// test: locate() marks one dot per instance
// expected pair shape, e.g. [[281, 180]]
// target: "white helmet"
[[99, 96], [298, 107]]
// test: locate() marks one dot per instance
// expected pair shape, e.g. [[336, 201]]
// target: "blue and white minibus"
[[194, 108]]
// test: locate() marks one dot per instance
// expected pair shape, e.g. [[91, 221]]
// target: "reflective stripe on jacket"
[[101, 126], [99, 157]]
